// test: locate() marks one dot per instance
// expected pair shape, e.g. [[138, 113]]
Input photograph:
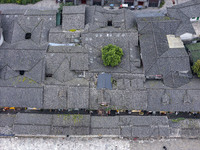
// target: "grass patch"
[[72, 30], [177, 120]]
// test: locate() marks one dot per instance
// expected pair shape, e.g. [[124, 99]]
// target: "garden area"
[[21, 2]]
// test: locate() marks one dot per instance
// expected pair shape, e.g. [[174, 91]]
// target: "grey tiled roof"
[[79, 62], [119, 99], [125, 126], [178, 100], [78, 97], [21, 97], [184, 12], [158, 58], [31, 129], [22, 66], [74, 9]]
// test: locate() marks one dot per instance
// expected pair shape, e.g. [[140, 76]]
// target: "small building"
[[104, 81], [163, 53]]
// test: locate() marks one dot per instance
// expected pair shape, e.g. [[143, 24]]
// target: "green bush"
[[111, 55], [196, 68], [13, 1], [162, 3], [18, 1], [23, 2]]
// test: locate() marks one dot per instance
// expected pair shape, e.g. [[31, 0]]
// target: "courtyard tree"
[[111, 55], [196, 68]]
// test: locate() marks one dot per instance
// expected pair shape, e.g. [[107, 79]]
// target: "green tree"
[[196, 68], [111, 55]]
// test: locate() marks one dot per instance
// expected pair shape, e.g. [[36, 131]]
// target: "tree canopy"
[[196, 68], [111, 55]]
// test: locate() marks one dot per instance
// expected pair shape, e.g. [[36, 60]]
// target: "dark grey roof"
[[184, 12], [74, 9], [21, 97], [15, 27], [143, 127], [22, 64], [70, 130], [79, 62], [173, 100], [73, 17], [104, 122], [186, 128], [78, 97], [31, 129], [32, 119], [157, 57], [55, 97], [7, 119], [119, 99], [97, 17], [104, 81]]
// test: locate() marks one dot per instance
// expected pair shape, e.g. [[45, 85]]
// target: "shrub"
[[162, 3], [196, 68], [13, 1], [18, 1], [23, 2], [111, 55]]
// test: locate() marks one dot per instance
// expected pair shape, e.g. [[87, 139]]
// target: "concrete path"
[[96, 144]]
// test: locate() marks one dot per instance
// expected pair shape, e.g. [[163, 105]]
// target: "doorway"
[[83, 1], [141, 3]]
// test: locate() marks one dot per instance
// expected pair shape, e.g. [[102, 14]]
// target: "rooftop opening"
[[109, 23], [48, 75], [21, 72], [28, 36]]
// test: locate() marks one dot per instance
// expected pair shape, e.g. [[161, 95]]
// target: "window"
[[28, 36], [48, 75], [109, 23], [21, 72]]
